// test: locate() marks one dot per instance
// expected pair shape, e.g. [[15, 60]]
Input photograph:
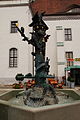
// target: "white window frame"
[[13, 56], [13, 26]]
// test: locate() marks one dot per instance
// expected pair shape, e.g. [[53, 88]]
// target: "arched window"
[[13, 57]]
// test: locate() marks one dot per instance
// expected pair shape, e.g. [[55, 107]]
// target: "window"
[[13, 57], [68, 34], [13, 26], [74, 10], [69, 58]]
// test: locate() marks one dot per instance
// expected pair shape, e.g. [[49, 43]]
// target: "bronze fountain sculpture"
[[41, 90]]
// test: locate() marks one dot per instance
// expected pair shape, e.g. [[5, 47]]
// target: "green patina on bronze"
[[38, 40]]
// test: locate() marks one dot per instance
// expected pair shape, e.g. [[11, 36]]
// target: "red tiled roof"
[[52, 6]]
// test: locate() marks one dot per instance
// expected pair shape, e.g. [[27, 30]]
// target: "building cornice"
[[62, 17], [13, 3]]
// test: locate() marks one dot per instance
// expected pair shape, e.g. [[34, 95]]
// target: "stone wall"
[[56, 112]]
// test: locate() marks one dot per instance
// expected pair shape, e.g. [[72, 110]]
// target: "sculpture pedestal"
[[35, 97]]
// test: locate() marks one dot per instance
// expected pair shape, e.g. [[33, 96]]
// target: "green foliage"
[[16, 86]]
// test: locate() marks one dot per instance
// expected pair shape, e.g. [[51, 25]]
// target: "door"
[[75, 73]]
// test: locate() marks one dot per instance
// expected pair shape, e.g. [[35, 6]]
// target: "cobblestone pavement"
[[5, 88], [2, 91], [77, 89]]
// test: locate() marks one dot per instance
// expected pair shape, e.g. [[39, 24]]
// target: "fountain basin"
[[68, 111]]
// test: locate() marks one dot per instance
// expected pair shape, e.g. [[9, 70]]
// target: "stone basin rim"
[[38, 109]]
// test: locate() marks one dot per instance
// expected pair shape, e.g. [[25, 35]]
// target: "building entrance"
[[75, 73]]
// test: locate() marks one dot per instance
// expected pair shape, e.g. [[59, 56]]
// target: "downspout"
[[30, 7]]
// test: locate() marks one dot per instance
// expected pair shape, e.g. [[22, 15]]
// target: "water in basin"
[[62, 99]]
